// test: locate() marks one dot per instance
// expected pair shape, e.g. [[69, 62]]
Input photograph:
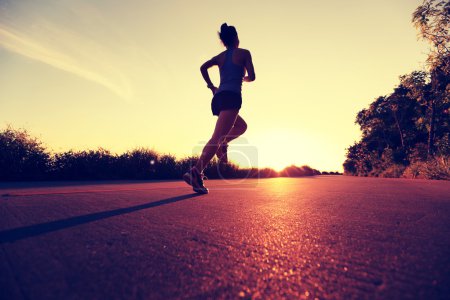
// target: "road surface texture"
[[326, 237]]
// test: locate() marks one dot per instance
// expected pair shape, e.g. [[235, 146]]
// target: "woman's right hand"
[[213, 90]]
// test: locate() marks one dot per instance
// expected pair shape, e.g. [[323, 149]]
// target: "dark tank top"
[[231, 74]]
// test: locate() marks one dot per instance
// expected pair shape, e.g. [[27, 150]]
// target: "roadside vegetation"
[[23, 157], [406, 133]]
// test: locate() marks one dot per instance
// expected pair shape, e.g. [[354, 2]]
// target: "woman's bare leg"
[[240, 126], [238, 129], [224, 125]]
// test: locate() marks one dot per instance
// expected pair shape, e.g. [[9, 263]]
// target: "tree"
[[432, 19], [412, 124]]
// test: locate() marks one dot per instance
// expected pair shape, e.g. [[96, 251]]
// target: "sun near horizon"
[[122, 75]]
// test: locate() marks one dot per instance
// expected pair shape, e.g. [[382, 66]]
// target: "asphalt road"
[[327, 237]]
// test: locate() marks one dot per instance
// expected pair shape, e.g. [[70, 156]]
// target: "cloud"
[[67, 51]]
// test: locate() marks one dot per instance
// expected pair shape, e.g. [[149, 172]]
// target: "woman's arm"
[[204, 70], [249, 67]]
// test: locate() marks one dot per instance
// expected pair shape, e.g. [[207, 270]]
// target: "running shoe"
[[195, 178]]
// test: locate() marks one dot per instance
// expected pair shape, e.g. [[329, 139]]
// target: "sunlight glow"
[[280, 148], [277, 149]]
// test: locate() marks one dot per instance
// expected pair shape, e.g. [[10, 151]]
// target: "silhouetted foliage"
[[22, 157], [91, 164], [294, 171], [25, 158], [267, 173], [407, 126], [407, 132], [167, 167], [331, 173], [138, 164], [432, 19]]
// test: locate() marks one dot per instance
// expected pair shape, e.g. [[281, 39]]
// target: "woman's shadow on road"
[[12, 235]]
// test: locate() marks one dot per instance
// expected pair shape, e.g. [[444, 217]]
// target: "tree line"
[[406, 133], [23, 157]]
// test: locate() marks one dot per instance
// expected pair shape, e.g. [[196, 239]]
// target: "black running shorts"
[[225, 100]]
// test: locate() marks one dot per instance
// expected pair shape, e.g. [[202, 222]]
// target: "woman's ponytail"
[[228, 35]]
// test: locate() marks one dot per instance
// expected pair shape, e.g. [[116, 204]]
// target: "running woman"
[[226, 102]]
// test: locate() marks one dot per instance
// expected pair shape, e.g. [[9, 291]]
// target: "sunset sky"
[[82, 74]]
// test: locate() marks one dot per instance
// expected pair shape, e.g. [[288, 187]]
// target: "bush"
[[22, 157], [419, 153], [434, 168], [413, 171], [138, 164], [91, 164], [294, 171], [166, 167], [25, 158], [437, 168], [394, 171]]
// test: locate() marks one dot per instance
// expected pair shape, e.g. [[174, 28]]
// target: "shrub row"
[[23, 157]]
